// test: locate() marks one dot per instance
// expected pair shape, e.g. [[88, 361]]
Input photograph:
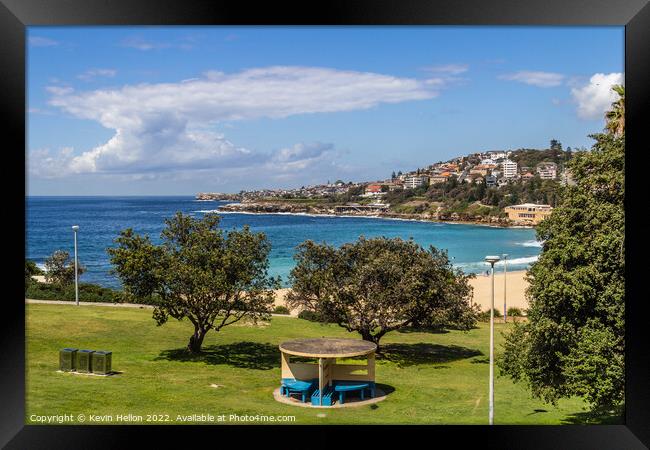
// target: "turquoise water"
[[100, 219]]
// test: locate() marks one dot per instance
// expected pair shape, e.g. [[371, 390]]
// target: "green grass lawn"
[[433, 378]]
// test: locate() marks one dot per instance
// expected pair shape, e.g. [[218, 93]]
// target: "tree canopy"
[[31, 269], [374, 286], [59, 268], [615, 117], [574, 340], [199, 272]]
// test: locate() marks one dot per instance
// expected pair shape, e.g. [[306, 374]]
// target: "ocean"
[[100, 219]]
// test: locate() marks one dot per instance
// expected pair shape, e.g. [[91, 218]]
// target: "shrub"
[[484, 316], [87, 292], [281, 309], [312, 316], [515, 312]]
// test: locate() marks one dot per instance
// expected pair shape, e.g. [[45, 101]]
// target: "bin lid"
[[87, 351], [103, 352], [69, 349]]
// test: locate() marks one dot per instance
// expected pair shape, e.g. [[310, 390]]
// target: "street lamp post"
[[492, 260], [76, 270], [505, 272]]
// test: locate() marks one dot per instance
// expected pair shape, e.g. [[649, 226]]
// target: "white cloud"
[[145, 45], [35, 110], [539, 79], [91, 74], [39, 41], [170, 126], [596, 97], [452, 69]]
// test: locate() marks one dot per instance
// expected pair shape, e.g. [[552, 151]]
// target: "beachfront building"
[[528, 213], [509, 169], [547, 170], [415, 181]]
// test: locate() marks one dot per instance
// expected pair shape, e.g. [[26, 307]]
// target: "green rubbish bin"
[[102, 362], [84, 360], [68, 359]]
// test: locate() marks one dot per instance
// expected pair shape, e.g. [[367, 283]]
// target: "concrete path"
[[116, 305]]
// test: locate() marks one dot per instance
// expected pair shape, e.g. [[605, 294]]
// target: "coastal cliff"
[[292, 208], [206, 196]]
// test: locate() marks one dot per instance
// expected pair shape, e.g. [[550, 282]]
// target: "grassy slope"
[[437, 378]]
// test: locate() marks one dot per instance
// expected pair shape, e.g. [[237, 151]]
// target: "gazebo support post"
[[320, 381]]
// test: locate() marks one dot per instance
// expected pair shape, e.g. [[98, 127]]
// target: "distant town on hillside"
[[498, 186]]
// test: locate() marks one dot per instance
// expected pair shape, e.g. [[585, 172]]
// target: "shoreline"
[[219, 210]]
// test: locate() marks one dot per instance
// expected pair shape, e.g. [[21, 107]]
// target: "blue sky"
[[178, 110]]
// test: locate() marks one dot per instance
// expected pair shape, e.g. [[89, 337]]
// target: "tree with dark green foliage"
[[59, 269], [199, 272], [574, 340], [31, 269], [374, 286]]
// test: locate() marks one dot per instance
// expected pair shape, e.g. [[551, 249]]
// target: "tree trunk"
[[367, 336], [196, 341]]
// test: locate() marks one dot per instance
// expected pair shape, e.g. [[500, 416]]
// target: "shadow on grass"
[[422, 353], [597, 417], [244, 355], [537, 411], [481, 361], [423, 330]]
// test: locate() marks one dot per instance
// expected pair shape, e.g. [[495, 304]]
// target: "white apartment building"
[[497, 155], [509, 169], [414, 181]]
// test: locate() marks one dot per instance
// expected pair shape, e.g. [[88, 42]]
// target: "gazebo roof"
[[327, 347]]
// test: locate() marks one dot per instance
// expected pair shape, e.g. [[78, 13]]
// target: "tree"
[[574, 340], [31, 269], [374, 286], [59, 269], [199, 272], [615, 117]]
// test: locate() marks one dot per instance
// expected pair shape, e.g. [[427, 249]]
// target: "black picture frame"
[[16, 15]]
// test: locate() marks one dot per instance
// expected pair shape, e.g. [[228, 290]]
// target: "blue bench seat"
[[349, 386], [328, 397], [303, 387]]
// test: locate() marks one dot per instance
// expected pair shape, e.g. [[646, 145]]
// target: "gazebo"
[[331, 377]]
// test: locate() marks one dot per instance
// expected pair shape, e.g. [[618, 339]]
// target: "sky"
[[180, 110]]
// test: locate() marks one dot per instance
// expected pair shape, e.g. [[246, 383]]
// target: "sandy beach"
[[515, 290]]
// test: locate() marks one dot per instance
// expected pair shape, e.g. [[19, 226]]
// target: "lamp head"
[[75, 227], [492, 259], [505, 256]]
